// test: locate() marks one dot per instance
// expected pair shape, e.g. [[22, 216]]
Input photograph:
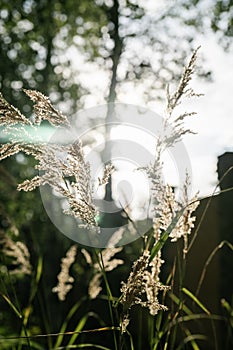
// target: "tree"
[[35, 38], [39, 39]]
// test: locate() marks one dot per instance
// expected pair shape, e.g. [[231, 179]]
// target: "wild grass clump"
[[141, 300]]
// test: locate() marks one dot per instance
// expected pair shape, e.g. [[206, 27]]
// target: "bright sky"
[[214, 121]]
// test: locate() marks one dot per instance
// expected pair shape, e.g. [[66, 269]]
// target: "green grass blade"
[[158, 246], [11, 305], [196, 300], [87, 345], [189, 339], [33, 291], [9, 344], [177, 302], [192, 341], [79, 327], [65, 323], [131, 340]]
